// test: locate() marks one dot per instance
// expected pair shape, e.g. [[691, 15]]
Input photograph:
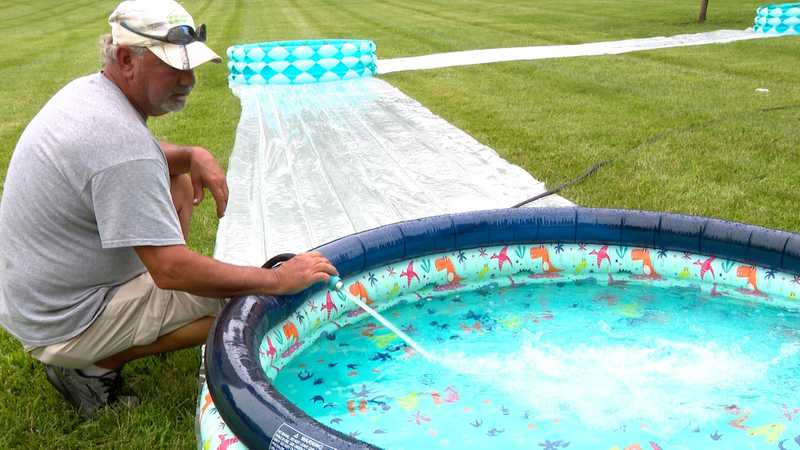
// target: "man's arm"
[[203, 168], [179, 157], [177, 268]]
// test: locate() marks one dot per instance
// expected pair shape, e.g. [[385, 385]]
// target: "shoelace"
[[112, 383]]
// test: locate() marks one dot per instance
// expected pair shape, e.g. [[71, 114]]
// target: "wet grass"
[[685, 129]]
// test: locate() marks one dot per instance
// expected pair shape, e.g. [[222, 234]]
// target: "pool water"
[[599, 362]]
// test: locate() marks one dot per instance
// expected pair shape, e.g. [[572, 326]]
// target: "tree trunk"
[[703, 10]]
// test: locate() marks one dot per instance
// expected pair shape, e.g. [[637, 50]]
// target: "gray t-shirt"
[[87, 182]]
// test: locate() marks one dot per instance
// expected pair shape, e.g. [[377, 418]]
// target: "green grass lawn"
[[685, 129]]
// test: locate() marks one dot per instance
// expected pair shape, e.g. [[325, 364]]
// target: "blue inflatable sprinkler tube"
[[298, 62], [778, 19]]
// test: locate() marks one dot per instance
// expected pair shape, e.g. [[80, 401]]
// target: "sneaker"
[[85, 393]]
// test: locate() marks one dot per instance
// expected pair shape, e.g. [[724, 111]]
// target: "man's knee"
[[182, 190], [183, 198], [184, 308]]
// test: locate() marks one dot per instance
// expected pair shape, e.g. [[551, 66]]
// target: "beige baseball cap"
[[165, 28]]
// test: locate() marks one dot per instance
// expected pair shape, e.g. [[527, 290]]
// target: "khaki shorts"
[[137, 315]]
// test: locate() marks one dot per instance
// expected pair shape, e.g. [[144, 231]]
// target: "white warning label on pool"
[[287, 438]]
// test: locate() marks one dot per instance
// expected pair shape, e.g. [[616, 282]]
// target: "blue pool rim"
[[253, 409]]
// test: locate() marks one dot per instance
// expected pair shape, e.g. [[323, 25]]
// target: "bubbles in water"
[[606, 385]]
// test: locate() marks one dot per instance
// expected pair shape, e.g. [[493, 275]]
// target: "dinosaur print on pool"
[[750, 274], [409, 273], [648, 270], [541, 253], [706, 266], [601, 253], [329, 305], [291, 334], [502, 258], [453, 279]]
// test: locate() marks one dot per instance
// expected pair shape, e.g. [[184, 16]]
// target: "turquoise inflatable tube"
[[778, 19], [298, 62]]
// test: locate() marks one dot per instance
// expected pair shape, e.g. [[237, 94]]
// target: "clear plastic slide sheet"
[[318, 161], [493, 55]]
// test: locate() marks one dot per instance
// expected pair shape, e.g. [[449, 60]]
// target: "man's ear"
[[125, 61]]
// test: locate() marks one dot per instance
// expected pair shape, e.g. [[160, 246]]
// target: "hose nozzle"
[[335, 283]]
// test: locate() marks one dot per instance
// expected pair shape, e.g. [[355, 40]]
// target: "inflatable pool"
[[549, 328], [778, 19]]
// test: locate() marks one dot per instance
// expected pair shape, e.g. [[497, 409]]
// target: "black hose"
[[277, 260], [558, 189]]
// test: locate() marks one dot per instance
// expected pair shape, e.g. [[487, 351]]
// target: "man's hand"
[[302, 271], [206, 173]]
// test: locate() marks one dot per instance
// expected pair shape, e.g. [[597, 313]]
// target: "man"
[[94, 268]]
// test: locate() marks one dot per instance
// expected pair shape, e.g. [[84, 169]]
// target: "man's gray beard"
[[173, 104]]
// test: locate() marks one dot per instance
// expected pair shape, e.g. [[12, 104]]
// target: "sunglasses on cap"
[[180, 35]]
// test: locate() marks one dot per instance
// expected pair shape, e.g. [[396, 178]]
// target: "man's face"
[[161, 87]]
